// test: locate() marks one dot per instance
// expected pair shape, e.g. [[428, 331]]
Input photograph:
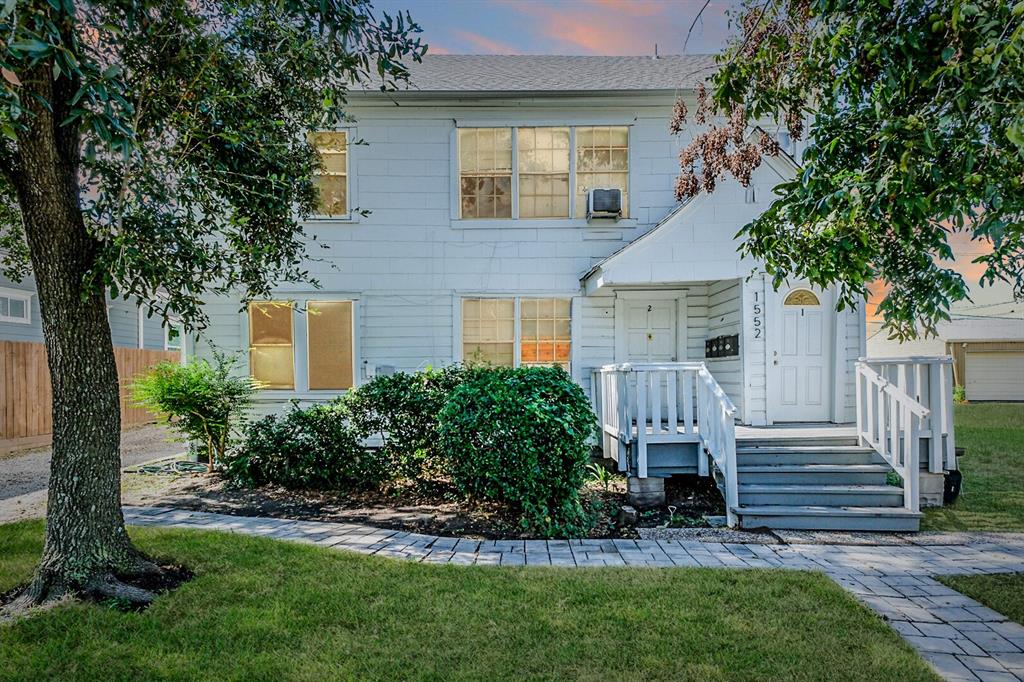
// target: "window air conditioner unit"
[[604, 203]]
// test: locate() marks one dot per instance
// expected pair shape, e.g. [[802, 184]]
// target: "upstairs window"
[[537, 180], [602, 162], [485, 172], [543, 172], [15, 306], [332, 180]]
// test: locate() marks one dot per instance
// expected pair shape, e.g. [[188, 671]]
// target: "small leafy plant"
[[600, 475], [201, 401], [959, 394]]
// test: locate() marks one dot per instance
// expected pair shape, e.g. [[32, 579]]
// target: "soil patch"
[[434, 508]]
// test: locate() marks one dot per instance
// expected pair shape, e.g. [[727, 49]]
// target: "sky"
[[604, 27], [622, 27]]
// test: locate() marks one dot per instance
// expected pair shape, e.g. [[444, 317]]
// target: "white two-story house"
[[480, 245]]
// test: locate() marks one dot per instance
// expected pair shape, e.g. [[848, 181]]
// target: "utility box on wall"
[[722, 347]]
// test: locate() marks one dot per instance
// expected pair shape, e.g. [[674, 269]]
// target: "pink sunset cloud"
[[598, 26], [484, 44]]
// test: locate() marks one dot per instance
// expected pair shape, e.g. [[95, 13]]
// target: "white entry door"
[[802, 357], [651, 330]]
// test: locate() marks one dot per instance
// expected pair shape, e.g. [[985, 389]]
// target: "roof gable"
[[696, 240]]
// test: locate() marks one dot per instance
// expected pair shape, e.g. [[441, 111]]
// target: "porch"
[[662, 419]]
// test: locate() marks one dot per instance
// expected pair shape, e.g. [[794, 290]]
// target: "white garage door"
[[995, 376]]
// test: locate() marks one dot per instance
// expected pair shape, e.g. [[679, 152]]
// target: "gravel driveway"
[[30, 471]]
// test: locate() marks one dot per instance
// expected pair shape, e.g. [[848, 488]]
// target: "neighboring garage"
[[989, 370]]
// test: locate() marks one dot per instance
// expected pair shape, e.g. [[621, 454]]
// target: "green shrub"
[[403, 410], [201, 401], [959, 394], [311, 448], [520, 437]]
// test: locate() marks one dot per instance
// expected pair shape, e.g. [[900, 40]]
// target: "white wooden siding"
[[412, 259], [724, 313]]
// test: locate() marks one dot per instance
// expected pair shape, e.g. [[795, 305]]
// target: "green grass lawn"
[[265, 610], [1003, 592], [993, 469]]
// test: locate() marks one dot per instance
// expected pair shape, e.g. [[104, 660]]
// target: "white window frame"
[[573, 220], [350, 216], [17, 295], [300, 343], [458, 343], [167, 336]]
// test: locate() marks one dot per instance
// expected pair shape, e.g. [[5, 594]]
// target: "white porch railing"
[[641, 404], [892, 425], [929, 382]]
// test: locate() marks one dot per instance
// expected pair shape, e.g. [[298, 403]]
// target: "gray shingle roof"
[[546, 73]]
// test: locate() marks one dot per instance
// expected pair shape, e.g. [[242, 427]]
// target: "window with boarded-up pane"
[[332, 180], [485, 172], [330, 344], [545, 337], [543, 161], [602, 162], [488, 331], [271, 346]]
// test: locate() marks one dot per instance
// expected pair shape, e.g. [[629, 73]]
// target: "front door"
[[651, 330], [802, 357]]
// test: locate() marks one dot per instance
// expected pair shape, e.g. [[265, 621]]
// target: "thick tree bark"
[[87, 548]]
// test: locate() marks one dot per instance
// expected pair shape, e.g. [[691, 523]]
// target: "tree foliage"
[[916, 129], [189, 122], [157, 149]]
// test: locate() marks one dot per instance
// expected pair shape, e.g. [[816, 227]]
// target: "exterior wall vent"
[[604, 203]]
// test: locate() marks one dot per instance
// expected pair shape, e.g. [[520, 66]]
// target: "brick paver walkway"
[[962, 639]]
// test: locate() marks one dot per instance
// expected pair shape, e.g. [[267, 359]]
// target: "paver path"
[[962, 639]]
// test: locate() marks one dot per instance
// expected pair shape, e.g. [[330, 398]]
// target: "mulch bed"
[[433, 508]]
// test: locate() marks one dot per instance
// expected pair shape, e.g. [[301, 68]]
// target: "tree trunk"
[[87, 548]]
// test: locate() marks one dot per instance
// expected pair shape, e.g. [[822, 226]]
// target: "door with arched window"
[[802, 356]]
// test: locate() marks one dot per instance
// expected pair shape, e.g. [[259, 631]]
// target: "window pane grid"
[[332, 180], [488, 331], [543, 172], [271, 349], [485, 172], [602, 161], [545, 332]]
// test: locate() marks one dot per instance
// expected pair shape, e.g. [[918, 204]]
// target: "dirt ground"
[[428, 511], [24, 475]]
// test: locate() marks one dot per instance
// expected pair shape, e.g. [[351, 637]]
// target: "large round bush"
[[312, 448], [402, 410], [520, 437]]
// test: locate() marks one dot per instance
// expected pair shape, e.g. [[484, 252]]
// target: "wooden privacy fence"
[[26, 395]]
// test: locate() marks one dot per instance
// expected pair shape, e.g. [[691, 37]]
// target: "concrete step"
[[824, 495], [829, 518], [812, 474], [804, 454]]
